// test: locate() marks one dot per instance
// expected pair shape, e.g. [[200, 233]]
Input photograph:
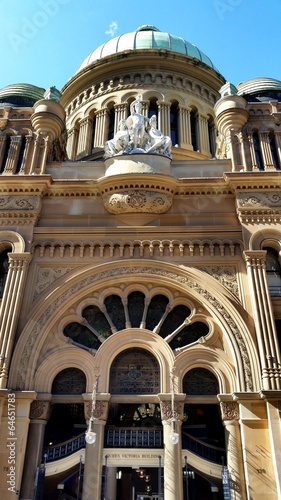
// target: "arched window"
[[111, 123], [274, 152], [4, 266], [21, 153], [93, 132], [273, 271], [258, 153], [193, 128], [69, 381], [153, 108], [170, 324], [174, 124], [6, 153], [134, 371], [200, 381]]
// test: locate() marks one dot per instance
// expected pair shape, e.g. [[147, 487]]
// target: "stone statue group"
[[138, 134]]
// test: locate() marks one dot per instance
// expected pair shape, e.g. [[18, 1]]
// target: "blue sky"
[[43, 42]]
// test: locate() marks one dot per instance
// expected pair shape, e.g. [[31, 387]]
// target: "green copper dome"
[[21, 94], [258, 85], [146, 37]]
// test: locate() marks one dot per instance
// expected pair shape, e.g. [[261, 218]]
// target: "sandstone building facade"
[[141, 292]]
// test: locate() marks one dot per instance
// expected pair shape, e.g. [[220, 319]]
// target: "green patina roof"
[[257, 85], [146, 37], [21, 94]]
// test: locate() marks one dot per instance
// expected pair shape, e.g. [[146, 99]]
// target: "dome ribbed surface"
[[257, 85], [146, 37], [21, 94]]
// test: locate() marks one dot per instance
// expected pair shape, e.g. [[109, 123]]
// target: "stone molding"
[[138, 201], [100, 412], [40, 410], [229, 410], [53, 308]]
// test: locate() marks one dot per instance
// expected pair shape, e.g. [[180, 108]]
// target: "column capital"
[[167, 412], [20, 259], [255, 257], [40, 410], [101, 407], [229, 410]]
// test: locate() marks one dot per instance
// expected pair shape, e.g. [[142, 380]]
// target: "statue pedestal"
[[138, 164], [137, 183]]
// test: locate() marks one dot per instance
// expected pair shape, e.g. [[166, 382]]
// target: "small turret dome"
[[21, 94], [260, 89]]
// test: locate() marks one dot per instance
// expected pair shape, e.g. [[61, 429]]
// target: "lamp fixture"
[[174, 436], [91, 435]]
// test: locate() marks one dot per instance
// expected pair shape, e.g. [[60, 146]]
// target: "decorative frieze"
[[46, 276], [19, 209], [259, 207], [138, 201], [100, 411]]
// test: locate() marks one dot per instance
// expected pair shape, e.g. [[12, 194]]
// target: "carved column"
[[85, 135], [164, 118], [25, 167], [71, 147], [39, 416], [94, 452], [264, 319], [121, 113], [36, 150], [203, 134], [252, 151], [173, 483], [101, 128], [184, 127], [46, 145], [242, 150], [230, 418], [266, 151], [9, 310], [13, 156]]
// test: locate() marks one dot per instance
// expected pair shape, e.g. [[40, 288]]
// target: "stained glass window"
[[134, 371], [200, 381], [189, 334], [69, 381], [156, 310], [82, 335], [97, 320], [115, 309], [174, 319], [135, 308]]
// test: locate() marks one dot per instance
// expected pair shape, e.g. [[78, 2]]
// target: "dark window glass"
[[257, 148], [111, 124], [4, 266], [193, 128], [156, 309], [6, 153], [200, 381], [174, 319], [81, 335], [21, 153], [153, 109], [189, 334], [273, 271], [97, 320], [115, 310], [69, 381], [174, 124], [135, 308]]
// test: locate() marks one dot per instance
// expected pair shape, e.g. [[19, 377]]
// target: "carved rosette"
[[141, 188], [229, 410], [40, 410], [100, 412], [138, 201], [167, 413]]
